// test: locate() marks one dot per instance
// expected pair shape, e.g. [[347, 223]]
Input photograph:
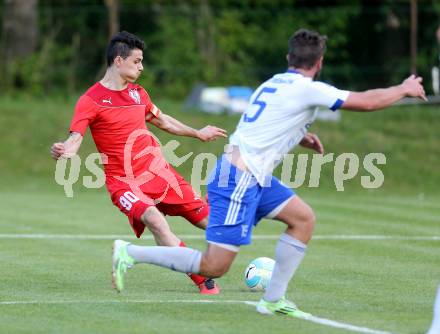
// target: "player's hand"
[[413, 87], [57, 150], [312, 141], [209, 133]]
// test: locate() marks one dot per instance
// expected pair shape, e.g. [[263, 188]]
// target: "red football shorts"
[[172, 200]]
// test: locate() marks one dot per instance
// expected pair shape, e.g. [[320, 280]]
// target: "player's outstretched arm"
[[172, 125], [376, 99], [67, 149]]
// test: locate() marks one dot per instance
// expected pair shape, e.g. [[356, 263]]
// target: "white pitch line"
[[336, 324], [375, 237], [318, 320], [202, 237]]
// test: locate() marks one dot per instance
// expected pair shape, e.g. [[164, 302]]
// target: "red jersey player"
[[140, 182]]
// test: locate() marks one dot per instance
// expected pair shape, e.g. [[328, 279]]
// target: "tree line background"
[[58, 46]]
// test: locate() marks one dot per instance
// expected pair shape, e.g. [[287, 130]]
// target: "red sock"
[[197, 279]]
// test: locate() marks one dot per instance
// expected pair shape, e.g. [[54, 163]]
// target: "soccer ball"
[[258, 273]]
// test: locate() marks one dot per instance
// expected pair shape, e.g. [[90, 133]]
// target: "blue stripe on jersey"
[[337, 105]]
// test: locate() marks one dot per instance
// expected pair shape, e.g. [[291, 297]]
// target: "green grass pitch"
[[62, 285], [381, 284]]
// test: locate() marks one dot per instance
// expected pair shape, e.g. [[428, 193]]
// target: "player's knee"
[[304, 219], [304, 222], [308, 219]]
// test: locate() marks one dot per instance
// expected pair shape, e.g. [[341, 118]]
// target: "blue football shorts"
[[237, 203]]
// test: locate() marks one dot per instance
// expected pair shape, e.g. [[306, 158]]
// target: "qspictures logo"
[[297, 170]]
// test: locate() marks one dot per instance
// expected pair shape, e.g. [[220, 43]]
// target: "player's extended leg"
[[213, 263], [289, 253], [143, 212], [194, 210], [158, 226]]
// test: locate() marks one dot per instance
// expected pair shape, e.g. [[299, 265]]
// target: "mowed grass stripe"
[[374, 282], [332, 223], [388, 211], [340, 237], [346, 285], [430, 202], [315, 319], [51, 209]]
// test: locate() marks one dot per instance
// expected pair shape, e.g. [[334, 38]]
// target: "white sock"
[[182, 259], [288, 256], [435, 327]]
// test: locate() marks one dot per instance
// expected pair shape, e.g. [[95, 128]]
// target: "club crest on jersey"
[[135, 95]]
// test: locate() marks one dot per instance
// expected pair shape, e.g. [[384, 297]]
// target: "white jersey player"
[[282, 110]]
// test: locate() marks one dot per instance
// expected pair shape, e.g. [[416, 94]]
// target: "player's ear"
[[118, 61], [287, 58]]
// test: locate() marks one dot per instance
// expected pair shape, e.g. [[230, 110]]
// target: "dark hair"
[[122, 44], [305, 48]]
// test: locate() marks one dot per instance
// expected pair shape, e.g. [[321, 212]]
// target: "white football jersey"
[[279, 114]]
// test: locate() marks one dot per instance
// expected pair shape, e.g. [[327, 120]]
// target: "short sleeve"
[[325, 95], [84, 114], [154, 110], [150, 108]]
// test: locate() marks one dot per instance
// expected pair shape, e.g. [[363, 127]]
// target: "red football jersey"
[[113, 118]]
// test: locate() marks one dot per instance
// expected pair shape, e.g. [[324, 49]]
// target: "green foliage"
[[49, 70], [226, 42], [174, 55]]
